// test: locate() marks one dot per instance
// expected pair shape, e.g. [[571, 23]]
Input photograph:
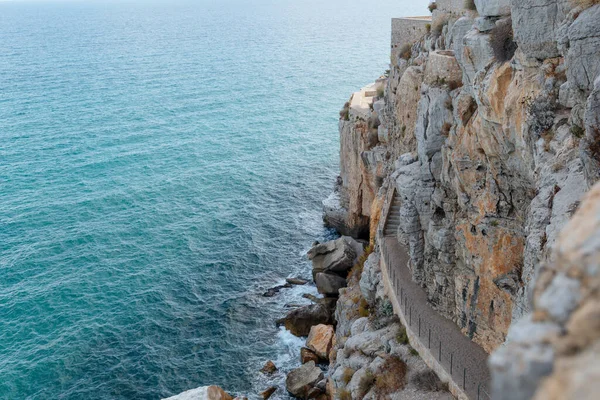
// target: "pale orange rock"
[[320, 340]]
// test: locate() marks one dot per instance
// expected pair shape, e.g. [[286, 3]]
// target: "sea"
[[162, 164]]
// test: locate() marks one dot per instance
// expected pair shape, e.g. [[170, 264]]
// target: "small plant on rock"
[[438, 26], [363, 308], [392, 377], [432, 7], [577, 131], [345, 112], [344, 394], [402, 337], [446, 129], [347, 375], [380, 91], [428, 381], [405, 51], [428, 28], [502, 40]]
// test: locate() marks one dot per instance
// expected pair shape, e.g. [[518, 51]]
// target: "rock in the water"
[[269, 367], [203, 393], [307, 355], [335, 256], [311, 297], [299, 321], [268, 393], [296, 281], [320, 339], [329, 284], [301, 381], [274, 290]]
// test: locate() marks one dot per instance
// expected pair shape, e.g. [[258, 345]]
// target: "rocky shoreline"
[[481, 140]]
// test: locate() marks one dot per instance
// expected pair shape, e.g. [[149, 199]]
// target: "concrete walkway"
[[463, 360]]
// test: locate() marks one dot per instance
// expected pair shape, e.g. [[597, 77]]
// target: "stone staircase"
[[393, 217]]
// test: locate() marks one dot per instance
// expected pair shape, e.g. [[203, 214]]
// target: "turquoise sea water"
[[162, 164]]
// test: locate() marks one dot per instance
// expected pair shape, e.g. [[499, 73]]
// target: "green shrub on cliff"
[[432, 7], [345, 112]]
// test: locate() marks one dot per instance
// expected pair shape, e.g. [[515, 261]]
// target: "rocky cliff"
[[488, 128]]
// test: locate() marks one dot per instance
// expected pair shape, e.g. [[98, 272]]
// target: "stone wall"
[[407, 31]]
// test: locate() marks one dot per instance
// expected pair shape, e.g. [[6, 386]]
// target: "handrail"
[[446, 354]]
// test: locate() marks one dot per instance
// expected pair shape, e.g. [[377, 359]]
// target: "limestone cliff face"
[[489, 156]]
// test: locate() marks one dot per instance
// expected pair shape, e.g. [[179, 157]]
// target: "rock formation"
[[490, 148]]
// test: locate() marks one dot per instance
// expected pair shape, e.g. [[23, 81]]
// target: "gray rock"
[[475, 54], [335, 256], [329, 284], [361, 382], [492, 8], [485, 24], [300, 381], [300, 320], [583, 57], [370, 277], [560, 298], [534, 25], [592, 130], [525, 359]]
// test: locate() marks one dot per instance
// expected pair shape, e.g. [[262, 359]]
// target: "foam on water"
[[162, 163]]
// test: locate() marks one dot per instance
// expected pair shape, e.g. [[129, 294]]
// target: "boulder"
[[300, 320], [296, 281], [320, 340], [268, 393], [329, 284], [202, 393], [492, 8], [335, 256], [307, 355], [301, 381], [269, 368], [442, 67]]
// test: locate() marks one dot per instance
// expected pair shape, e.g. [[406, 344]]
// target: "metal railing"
[[448, 355]]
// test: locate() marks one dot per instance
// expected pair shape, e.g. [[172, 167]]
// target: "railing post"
[[464, 379]]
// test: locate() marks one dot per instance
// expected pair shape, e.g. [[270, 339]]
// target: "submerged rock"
[[202, 393], [301, 381]]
